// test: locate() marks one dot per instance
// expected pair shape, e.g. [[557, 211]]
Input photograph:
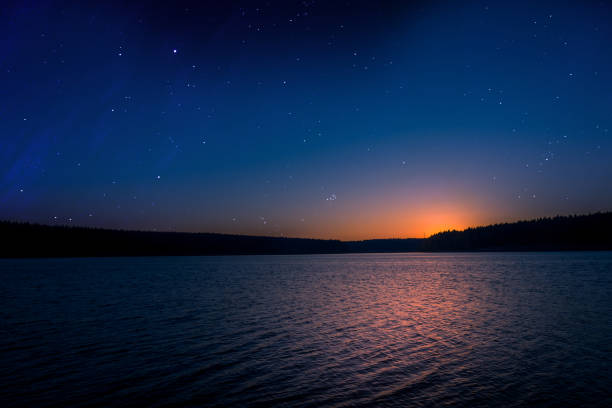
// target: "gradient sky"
[[325, 119]]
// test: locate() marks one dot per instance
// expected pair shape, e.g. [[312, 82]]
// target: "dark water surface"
[[482, 329]]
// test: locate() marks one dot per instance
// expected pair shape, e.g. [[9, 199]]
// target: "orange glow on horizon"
[[398, 214], [417, 223], [409, 221]]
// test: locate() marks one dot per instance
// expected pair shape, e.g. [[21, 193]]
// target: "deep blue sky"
[[346, 119]]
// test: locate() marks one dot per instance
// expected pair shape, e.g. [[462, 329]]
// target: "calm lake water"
[[481, 329]]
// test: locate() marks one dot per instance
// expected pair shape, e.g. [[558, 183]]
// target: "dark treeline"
[[33, 240], [559, 233], [574, 232], [25, 240]]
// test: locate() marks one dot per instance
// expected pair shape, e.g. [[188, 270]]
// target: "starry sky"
[[324, 119]]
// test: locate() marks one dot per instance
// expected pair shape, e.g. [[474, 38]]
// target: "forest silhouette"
[[575, 232]]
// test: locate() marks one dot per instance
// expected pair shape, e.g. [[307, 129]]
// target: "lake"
[[456, 329]]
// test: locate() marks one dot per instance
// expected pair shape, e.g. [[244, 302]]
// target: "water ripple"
[[419, 330]]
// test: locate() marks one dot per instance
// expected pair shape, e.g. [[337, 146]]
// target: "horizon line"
[[302, 238]]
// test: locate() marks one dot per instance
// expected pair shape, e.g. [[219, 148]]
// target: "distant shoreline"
[[561, 233], [483, 251]]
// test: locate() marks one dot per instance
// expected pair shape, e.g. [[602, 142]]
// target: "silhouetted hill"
[[558, 233], [574, 232], [33, 240]]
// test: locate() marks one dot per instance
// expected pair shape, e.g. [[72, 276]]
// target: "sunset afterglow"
[[304, 120]]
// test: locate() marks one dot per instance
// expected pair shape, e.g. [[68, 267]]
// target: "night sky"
[[324, 119]]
